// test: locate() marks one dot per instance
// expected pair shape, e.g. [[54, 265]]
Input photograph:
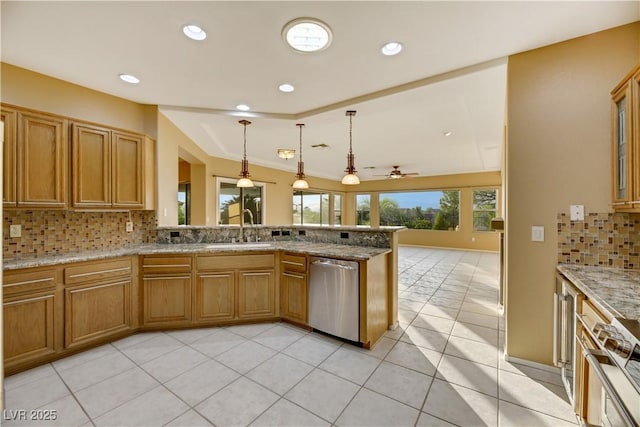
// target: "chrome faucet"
[[242, 224]]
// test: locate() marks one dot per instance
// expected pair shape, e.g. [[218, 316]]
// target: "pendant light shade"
[[351, 178], [244, 180], [300, 183]]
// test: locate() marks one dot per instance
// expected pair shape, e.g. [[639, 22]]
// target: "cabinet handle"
[[296, 276], [293, 263], [91, 273], [29, 282]]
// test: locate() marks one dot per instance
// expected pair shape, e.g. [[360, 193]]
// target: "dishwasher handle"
[[327, 262]]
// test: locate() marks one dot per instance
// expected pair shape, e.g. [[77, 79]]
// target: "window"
[[311, 208], [184, 204], [337, 209], [363, 209], [484, 209], [426, 210], [233, 200]]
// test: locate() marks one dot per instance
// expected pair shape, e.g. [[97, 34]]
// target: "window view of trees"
[[184, 204], [311, 208], [363, 209], [233, 200], [427, 210], [484, 209]]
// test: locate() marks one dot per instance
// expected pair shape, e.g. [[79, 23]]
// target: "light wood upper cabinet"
[[108, 168], [127, 167], [42, 153], [91, 166], [9, 118], [625, 107]]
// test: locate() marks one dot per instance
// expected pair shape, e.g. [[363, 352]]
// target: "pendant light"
[[350, 178], [244, 180], [300, 183]]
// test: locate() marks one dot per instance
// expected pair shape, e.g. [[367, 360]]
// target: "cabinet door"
[[42, 161], [9, 118], [256, 294], [127, 170], [96, 311], [28, 327], [622, 147], [635, 123], [215, 296], [167, 299], [91, 166], [293, 296]]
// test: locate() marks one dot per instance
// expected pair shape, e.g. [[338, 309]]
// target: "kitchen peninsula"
[[193, 276]]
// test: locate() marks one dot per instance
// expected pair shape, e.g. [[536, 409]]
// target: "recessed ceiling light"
[[194, 32], [448, 133], [242, 107], [129, 79], [307, 35], [286, 87], [391, 48]]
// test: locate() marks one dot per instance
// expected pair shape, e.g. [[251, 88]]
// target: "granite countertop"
[[614, 289], [351, 253]]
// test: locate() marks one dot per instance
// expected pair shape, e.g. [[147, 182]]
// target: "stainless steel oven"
[[567, 300], [612, 353]]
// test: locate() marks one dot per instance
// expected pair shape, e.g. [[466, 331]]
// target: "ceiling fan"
[[396, 173]]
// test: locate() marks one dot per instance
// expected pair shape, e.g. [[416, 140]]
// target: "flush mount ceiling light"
[[286, 88], [129, 79], [286, 153], [350, 178], [194, 32], [300, 183], [448, 133], [307, 35], [244, 180], [242, 107], [391, 48]]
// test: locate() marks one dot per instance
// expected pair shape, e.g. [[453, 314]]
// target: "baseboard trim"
[[531, 364]]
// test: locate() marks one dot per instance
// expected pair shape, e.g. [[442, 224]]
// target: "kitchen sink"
[[248, 245]]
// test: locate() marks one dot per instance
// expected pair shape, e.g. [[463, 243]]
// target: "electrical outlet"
[[15, 230], [537, 233], [129, 226], [577, 212]]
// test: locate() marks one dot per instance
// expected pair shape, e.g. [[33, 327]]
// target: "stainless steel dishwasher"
[[334, 297]]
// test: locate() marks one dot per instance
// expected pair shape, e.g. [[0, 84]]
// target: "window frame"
[[382, 194], [330, 208], [263, 198], [474, 210]]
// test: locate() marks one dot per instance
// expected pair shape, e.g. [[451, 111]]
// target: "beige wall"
[[558, 154]]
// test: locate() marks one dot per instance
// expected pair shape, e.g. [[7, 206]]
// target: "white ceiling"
[[451, 75]]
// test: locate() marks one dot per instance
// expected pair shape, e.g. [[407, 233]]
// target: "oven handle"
[[595, 358]]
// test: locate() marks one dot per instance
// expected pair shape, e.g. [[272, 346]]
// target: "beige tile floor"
[[441, 367]]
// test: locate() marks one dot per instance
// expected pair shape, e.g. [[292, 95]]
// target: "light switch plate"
[[577, 212], [537, 233], [15, 230]]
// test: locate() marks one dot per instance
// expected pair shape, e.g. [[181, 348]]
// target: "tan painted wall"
[[28, 89], [558, 153]]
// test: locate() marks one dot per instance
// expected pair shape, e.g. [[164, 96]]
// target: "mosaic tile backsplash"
[[51, 232], [602, 239]]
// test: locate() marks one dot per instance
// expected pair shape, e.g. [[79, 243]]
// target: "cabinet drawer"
[[97, 271], [226, 262], [292, 262], [16, 283], [164, 265]]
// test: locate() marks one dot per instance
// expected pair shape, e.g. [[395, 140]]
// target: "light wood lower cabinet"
[[256, 294], [235, 287], [166, 290], [97, 300], [31, 317], [293, 287], [215, 296]]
